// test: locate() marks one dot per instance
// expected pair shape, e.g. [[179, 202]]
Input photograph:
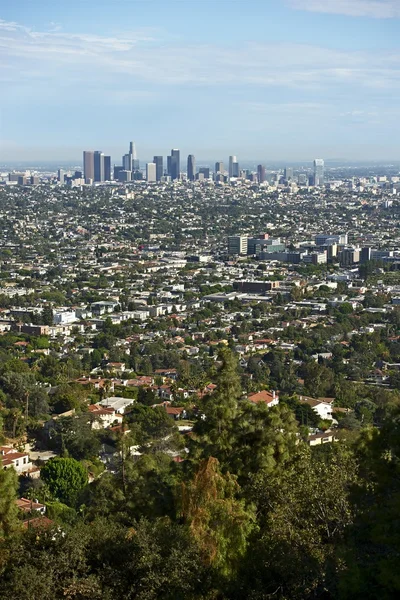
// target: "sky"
[[261, 79]]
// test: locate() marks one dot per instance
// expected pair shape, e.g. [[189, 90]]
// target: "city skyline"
[[302, 79]]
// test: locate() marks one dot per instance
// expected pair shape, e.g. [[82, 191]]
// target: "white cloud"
[[377, 9], [126, 64]]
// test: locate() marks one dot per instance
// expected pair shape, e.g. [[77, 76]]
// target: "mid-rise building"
[[124, 176], [237, 244], [205, 171]]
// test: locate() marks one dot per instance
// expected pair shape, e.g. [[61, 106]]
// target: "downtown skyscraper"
[[233, 167], [319, 172], [159, 162], [88, 165], [175, 164], [191, 167]]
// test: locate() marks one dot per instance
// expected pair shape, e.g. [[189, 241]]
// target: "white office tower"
[[151, 172], [132, 150]]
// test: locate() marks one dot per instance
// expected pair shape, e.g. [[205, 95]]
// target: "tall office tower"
[[151, 172], [158, 160], [191, 167], [61, 175], [88, 164], [235, 169], [169, 165], [127, 162], [107, 168], [232, 161], [319, 171], [205, 171], [175, 164], [288, 173], [219, 167], [261, 176], [98, 166], [134, 161]]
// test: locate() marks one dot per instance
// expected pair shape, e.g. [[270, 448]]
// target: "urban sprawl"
[[131, 297]]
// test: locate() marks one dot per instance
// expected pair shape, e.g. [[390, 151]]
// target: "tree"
[[66, 478], [217, 520], [47, 316], [318, 379], [214, 432], [8, 508], [304, 511]]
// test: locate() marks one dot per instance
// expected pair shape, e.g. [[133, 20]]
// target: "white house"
[[119, 404], [322, 406], [11, 458], [105, 417]]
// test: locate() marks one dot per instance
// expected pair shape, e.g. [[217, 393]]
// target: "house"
[[104, 417], [118, 367], [169, 373], [176, 412], [322, 406], [30, 506], [321, 438], [11, 458], [119, 404], [269, 398]]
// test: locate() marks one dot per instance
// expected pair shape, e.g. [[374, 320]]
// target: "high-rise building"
[[319, 172], [175, 164], [219, 167], [132, 150], [169, 165], [191, 167], [232, 161], [98, 166], [61, 175], [88, 165], [127, 162], [151, 172], [158, 160], [288, 173], [261, 175], [107, 168]]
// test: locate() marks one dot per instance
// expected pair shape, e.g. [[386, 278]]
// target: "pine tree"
[[8, 509], [218, 521]]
